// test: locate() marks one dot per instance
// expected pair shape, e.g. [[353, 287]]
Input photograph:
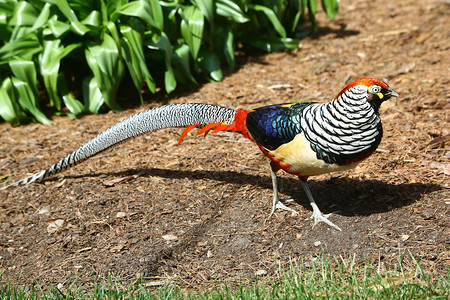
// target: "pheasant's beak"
[[392, 93]]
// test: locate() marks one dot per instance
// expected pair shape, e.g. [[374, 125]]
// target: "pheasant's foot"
[[278, 204], [320, 217], [317, 214]]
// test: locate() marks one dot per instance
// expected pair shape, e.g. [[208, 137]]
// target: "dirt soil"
[[198, 213]]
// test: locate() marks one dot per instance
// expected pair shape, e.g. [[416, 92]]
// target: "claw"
[[280, 205], [320, 217], [317, 214]]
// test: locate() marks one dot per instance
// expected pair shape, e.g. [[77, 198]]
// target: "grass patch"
[[324, 278]]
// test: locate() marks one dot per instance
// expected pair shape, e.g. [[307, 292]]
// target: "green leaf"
[[132, 46], [27, 100], [24, 48], [25, 70], [76, 26], [229, 9], [10, 110], [312, 8], [114, 32], [79, 28], [94, 19], [65, 8], [83, 8], [49, 61], [299, 14], [107, 68], [92, 95], [170, 81], [25, 84], [49, 71], [272, 18], [57, 28], [228, 48], [24, 14], [158, 15], [181, 66], [207, 8], [42, 19], [150, 12], [160, 41], [209, 63], [331, 7], [192, 29], [224, 44], [6, 12]]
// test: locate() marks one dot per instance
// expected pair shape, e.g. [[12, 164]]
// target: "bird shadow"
[[342, 195]]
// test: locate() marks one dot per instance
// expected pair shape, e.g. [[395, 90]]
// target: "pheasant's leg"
[[317, 214], [276, 203]]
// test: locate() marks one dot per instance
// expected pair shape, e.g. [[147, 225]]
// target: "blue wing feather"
[[275, 125]]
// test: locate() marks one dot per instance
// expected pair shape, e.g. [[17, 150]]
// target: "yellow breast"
[[297, 157]]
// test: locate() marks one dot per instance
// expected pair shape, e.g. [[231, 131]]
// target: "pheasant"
[[303, 139]]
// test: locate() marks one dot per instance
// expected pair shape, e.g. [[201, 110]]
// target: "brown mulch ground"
[[198, 212]]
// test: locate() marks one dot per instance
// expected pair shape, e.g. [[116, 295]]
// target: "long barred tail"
[[174, 115]]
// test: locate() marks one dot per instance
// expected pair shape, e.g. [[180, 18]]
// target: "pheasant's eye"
[[374, 89]]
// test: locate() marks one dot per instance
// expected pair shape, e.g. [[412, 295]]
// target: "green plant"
[[55, 52]]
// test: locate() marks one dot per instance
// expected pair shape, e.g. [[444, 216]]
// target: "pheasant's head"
[[377, 91]]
